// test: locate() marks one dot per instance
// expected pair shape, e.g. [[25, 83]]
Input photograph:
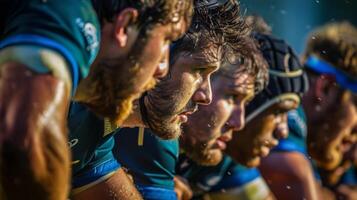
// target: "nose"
[[163, 66], [203, 95], [281, 130], [237, 121]]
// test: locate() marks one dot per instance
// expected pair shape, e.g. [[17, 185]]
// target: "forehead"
[[206, 56], [237, 79]]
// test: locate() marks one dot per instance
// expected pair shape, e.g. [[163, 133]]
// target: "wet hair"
[[222, 27], [258, 24], [335, 43], [150, 11], [252, 63]]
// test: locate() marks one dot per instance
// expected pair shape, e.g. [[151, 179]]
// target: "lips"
[[226, 137], [266, 147], [189, 111], [183, 117], [264, 151], [221, 142]]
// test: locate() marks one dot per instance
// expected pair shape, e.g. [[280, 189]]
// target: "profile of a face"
[[209, 129], [261, 134], [332, 122], [129, 63], [178, 95]]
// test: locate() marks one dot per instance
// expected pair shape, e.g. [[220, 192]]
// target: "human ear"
[[322, 87], [122, 23]]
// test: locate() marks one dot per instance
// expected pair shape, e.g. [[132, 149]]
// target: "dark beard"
[[162, 105], [200, 152], [160, 111], [109, 90], [204, 157]]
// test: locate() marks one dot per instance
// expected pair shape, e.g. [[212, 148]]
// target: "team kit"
[[172, 100]]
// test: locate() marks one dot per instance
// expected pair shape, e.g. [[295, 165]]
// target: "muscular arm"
[[289, 176], [33, 136], [117, 187]]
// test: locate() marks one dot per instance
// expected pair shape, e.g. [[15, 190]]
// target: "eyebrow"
[[246, 88], [205, 64]]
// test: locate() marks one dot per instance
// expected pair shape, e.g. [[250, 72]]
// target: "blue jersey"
[[91, 141], [150, 160], [296, 141], [226, 175], [70, 28]]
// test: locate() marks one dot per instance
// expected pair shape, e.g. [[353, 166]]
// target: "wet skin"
[[207, 131], [261, 134], [178, 95], [33, 136], [332, 122]]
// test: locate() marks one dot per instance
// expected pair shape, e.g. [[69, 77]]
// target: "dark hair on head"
[[258, 24], [150, 11], [335, 43], [252, 63], [222, 26]]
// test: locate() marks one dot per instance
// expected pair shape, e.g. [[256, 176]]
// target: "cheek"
[[187, 84], [153, 51], [267, 128], [223, 110]]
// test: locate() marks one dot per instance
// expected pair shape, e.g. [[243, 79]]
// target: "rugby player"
[[151, 161], [327, 118], [47, 49], [266, 122]]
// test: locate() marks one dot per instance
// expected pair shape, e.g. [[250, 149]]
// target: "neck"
[[134, 119]]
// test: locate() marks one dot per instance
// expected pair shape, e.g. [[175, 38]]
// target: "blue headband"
[[322, 67]]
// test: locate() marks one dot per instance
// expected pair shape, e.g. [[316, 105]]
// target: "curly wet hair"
[[222, 27], [150, 11], [258, 24], [335, 43]]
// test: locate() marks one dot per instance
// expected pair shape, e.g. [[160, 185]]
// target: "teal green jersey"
[[150, 160], [85, 132], [91, 142], [296, 141], [225, 175], [69, 27]]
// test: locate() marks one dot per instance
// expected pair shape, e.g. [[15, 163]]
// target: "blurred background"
[[292, 20]]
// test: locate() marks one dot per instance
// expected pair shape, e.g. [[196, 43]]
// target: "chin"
[[255, 162], [328, 159], [329, 164], [214, 157], [167, 133]]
